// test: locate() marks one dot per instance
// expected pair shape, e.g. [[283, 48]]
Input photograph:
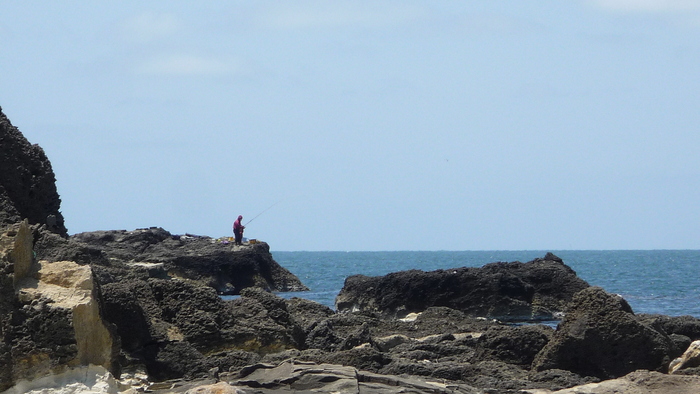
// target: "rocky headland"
[[141, 311]]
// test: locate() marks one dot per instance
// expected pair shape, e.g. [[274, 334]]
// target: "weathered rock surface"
[[511, 345], [600, 336], [536, 290], [689, 359], [637, 382], [176, 329], [49, 315], [687, 326], [154, 252], [90, 379], [27, 182], [299, 376]]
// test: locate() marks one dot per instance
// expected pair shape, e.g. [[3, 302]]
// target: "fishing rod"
[[267, 209]]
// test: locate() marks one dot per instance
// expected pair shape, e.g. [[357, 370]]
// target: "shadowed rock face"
[[509, 291], [27, 182], [175, 328], [601, 337]]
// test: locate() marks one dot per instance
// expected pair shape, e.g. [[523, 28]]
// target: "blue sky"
[[369, 125]]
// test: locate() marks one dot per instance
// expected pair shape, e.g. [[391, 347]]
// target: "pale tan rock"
[[22, 253], [690, 358], [638, 382], [69, 285], [389, 342], [218, 388], [413, 316]]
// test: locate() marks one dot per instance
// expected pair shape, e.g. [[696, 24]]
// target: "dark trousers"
[[239, 237]]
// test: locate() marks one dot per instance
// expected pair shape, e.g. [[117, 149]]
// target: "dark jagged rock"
[[365, 358], [682, 330], [154, 252], [688, 326], [221, 265], [266, 318], [601, 337], [161, 320], [536, 290], [308, 313], [513, 345], [27, 182]]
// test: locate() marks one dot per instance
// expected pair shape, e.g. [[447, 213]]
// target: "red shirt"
[[237, 227]]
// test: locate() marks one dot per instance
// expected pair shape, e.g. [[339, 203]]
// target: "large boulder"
[[537, 290], [174, 328], [27, 182], [601, 337], [50, 314]]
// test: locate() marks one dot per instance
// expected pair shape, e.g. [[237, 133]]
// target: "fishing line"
[[267, 209]]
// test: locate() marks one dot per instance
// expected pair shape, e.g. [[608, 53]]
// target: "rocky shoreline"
[[152, 329], [141, 311]]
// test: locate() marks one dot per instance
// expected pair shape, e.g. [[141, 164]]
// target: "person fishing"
[[238, 230]]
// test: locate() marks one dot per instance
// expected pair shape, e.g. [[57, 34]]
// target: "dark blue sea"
[[652, 281]]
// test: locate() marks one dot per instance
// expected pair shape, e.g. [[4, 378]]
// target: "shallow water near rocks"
[[652, 281]]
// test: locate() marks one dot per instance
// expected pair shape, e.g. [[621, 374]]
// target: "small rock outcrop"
[[536, 290], [50, 314], [27, 182], [600, 336]]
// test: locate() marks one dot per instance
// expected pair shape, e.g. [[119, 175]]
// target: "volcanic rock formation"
[[155, 253], [600, 336], [537, 290], [27, 182]]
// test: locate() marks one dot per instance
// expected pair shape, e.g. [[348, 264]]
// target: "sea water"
[[652, 281]]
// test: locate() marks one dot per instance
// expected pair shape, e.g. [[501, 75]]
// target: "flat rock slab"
[[302, 377], [638, 382]]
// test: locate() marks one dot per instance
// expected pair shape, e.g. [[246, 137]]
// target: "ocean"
[[652, 281]]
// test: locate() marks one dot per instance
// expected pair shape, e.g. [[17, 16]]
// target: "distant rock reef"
[[141, 311], [538, 290]]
